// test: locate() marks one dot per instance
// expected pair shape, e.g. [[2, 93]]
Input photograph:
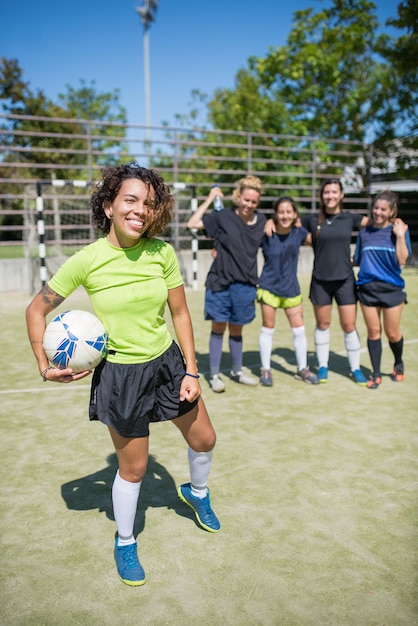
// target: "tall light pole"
[[147, 15]]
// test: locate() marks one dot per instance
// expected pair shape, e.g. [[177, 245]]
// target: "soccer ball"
[[75, 339]]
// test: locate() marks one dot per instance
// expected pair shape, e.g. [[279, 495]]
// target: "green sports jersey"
[[128, 289]]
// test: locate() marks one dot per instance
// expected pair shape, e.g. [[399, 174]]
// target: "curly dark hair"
[[108, 188]]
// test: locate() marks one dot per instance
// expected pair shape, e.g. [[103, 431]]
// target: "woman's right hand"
[[269, 228], [53, 374], [215, 191]]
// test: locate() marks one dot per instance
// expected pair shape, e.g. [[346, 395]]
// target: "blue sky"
[[194, 44]]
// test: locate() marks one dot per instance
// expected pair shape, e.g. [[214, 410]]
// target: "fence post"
[[195, 241], [55, 182], [41, 233]]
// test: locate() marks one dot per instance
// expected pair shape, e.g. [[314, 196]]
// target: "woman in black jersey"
[[333, 276], [232, 279]]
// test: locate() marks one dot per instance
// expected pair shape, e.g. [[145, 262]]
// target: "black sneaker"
[[398, 373], [266, 378]]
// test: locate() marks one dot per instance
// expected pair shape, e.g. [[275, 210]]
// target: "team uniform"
[[333, 279], [279, 274], [139, 381], [232, 278], [279, 288], [332, 275], [379, 281]]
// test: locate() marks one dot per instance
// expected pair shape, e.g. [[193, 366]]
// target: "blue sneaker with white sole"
[[129, 568], [201, 507]]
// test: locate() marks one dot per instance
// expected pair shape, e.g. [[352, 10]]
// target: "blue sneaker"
[[359, 378], [201, 507], [129, 568], [323, 374]]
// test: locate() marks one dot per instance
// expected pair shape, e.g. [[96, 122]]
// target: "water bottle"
[[218, 204]]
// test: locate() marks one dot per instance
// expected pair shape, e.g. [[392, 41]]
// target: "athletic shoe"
[[374, 381], [242, 378], [216, 384], [307, 376], [323, 375], [359, 378], [201, 507], [129, 568], [266, 378], [398, 373]]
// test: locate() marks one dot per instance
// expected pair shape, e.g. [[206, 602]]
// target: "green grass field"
[[315, 487]]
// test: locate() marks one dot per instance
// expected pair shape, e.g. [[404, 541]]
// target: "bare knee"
[[394, 337], [203, 440], [322, 325], [133, 472], [209, 442]]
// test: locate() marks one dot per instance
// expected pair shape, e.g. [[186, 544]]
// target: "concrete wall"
[[18, 275], [22, 275]]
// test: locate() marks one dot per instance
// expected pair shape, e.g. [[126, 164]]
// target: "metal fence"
[[43, 150]]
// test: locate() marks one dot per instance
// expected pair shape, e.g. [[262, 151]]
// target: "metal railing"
[[37, 150]]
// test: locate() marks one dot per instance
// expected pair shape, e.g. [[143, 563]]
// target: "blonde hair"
[[248, 182]]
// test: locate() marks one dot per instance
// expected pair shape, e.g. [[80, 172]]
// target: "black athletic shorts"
[[322, 292], [129, 397], [380, 294]]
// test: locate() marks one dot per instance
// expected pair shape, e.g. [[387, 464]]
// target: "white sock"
[[322, 346], [352, 345], [265, 342], [300, 345], [200, 464], [125, 499]]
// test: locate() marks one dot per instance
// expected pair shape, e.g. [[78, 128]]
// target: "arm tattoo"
[[50, 297]]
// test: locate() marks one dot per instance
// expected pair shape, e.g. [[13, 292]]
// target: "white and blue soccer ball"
[[75, 339]]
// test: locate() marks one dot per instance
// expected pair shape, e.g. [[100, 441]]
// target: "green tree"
[[334, 79], [61, 133], [397, 118], [40, 131]]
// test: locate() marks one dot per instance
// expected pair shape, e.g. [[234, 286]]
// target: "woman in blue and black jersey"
[[383, 248]]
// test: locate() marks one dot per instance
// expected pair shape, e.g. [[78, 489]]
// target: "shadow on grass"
[[94, 491]]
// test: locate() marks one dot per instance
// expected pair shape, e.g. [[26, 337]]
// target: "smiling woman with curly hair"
[[130, 277]]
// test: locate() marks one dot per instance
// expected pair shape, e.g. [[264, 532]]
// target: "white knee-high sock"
[[265, 342], [125, 499], [352, 345], [200, 464], [322, 346], [300, 345]]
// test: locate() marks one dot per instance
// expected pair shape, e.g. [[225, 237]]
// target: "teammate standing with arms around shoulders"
[[333, 276], [279, 288], [130, 277], [231, 282], [383, 247]]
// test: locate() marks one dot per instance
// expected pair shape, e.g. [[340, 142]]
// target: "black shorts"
[[380, 294], [322, 292], [129, 397]]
